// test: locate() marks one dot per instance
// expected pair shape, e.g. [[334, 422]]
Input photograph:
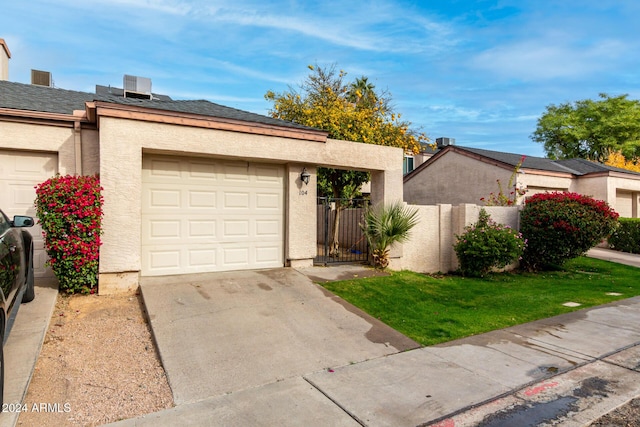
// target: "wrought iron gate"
[[351, 245]]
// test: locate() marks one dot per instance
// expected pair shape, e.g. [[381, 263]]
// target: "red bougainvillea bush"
[[69, 209], [560, 226]]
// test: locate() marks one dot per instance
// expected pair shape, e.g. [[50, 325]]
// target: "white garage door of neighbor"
[[624, 203], [20, 172], [202, 215]]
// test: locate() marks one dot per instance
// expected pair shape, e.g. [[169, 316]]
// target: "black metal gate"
[[351, 244]]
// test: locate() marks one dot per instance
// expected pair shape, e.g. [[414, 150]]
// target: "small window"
[[408, 164]]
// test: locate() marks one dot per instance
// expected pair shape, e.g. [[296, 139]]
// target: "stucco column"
[[121, 180], [447, 255], [386, 187], [301, 216]]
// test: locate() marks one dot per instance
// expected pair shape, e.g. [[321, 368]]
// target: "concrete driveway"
[[219, 333]]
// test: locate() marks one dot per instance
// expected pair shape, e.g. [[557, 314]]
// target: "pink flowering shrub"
[[560, 226], [486, 245], [69, 209]]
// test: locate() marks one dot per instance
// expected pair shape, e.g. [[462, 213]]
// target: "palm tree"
[[385, 225], [361, 91]]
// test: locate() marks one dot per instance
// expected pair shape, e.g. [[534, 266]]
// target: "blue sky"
[[481, 72]]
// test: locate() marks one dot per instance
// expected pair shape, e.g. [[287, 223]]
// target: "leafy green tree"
[[347, 111], [591, 129]]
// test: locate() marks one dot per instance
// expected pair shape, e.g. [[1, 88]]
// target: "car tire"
[[29, 292]]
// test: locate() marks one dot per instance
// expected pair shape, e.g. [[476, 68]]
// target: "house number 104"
[[303, 192]]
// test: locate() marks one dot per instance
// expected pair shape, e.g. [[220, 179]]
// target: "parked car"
[[16, 276]]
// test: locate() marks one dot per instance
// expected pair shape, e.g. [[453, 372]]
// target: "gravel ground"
[[98, 364], [627, 416]]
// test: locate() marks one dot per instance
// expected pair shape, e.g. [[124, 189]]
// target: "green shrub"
[[626, 238], [486, 245], [385, 225], [69, 209], [560, 226]]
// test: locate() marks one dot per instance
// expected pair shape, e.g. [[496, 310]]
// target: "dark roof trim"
[[40, 117], [98, 109], [533, 165]]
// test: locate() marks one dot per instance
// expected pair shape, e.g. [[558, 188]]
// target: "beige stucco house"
[[189, 186], [458, 175]]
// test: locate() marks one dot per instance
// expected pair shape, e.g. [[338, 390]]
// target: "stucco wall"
[[53, 139], [90, 152], [302, 216], [430, 247], [538, 183], [123, 142], [454, 179]]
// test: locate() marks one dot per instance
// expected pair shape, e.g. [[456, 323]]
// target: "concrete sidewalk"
[[23, 346], [570, 369], [615, 256]]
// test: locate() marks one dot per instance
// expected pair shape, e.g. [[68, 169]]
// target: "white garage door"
[[201, 215], [20, 172], [624, 203]]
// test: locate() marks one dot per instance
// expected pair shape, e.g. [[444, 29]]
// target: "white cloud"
[[534, 60]]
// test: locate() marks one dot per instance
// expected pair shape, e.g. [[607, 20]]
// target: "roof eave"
[[98, 109], [29, 116]]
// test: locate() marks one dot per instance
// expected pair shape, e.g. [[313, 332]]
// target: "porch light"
[[304, 176]]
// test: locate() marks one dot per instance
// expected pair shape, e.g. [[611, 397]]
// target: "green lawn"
[[432, 309]]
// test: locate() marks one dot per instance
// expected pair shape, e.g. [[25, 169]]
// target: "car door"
[[11, 254]]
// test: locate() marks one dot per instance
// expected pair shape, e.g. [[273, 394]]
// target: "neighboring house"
[[458, 175], [189, 186], [412, 161]]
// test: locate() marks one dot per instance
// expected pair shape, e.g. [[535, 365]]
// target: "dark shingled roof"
[[587, 166], [573, 166], [21, 96]]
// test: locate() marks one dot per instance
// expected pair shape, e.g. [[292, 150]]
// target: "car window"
[[4, 223]]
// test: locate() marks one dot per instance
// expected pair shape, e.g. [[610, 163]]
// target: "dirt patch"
[[98, 365], [627, 415]]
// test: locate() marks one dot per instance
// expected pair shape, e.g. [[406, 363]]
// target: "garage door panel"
[[268, 201], [235, 256], [267, 174], [236, 173], [204, 228], [164, 230], [235, 229], [163, 261], [236, 200], [268, 228], [203, 172], [202, 199], [202, 258], [163, 169], [267, 255], [230, 216]]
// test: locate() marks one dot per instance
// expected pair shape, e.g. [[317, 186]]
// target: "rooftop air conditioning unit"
[[137, 87], [41, 78], [443, 142]]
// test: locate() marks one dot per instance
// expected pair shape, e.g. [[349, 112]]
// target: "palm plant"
[[385, 225]]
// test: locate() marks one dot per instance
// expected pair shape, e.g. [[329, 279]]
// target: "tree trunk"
[[334, 249]]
